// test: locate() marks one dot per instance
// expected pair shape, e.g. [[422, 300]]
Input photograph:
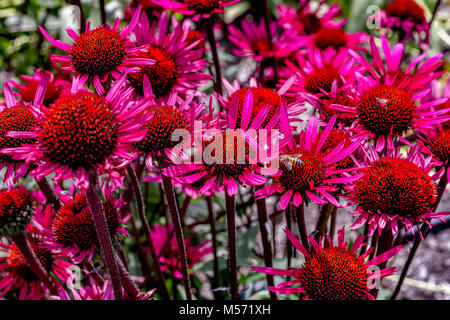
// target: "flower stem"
[[267, 248], [300, 214], [130, 287], [232, 250], [141, 212], [34, 263], [269, 39], [441, 189], [216, 280], [102, 11], [288, 243], [95, 204], [175, 215], [49, 193], [213, 45]]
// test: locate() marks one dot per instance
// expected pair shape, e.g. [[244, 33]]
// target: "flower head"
[[82, 131], [73, 233], [198, 9], [18, 281], [394, 192], [99, 54], [178, 63], [311, 168], [332, 272]]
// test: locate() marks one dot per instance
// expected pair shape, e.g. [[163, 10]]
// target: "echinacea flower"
[[166, 122], [15, 210], [307, 171], [82, 131], [336, 38], [308, 20], [262, 98], [320, 74], [17, 116], [333, 272], [167, 251], [99, 55], [227, 148], [394, 192], [27, 91], [73, 233], [178, 63], [408, 19], [17, 280], [414, 79], [198, 9], [252, 41]]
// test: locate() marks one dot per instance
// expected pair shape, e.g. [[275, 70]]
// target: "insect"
[[289, 160]]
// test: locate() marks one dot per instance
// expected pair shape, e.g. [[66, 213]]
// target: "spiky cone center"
[[301, 170], [344, 99], [334, 274], [322, 80], [20, 266], [406, 10], [98, 52], [166, 122], [261, 98], [440, 146], [74, 227], [336, 137], [29, 92], [395, 187], [15, 211], [17, 118], [384, 108], [234, 159], [330, 37], [311, 24], [162, 75], [204, 6], [79, 131]]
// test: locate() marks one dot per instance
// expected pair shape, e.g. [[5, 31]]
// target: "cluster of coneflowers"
[[329, 119]]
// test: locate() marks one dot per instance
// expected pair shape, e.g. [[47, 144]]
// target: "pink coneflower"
[[178, 63], [307, 172], [407, 18], [336, 38], [166, 121], [54, 90], [83, 131], [99, 54], [252, 41], [309, 20], [321, 73], [394, 192], [167, 250], [17, 116], [332, 272], [198, 9], [228, 163], [390, 71], [262, 98], [17, 280], [73, 234]]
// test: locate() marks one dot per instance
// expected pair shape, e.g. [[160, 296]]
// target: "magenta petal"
[[284, 200]]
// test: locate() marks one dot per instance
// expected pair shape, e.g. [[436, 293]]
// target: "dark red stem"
[[94, 200]]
